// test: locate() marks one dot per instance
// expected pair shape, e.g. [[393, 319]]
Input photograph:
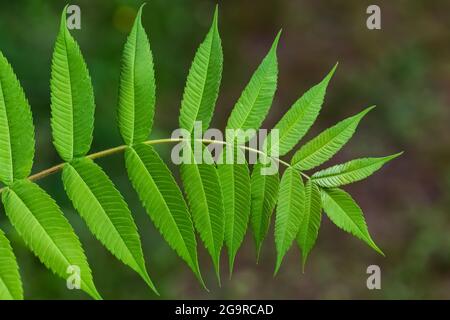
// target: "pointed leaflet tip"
[[148, 281], [375, 247], [396, 155], [364, 112], [218, 276], [277, 38], [258, 253], [215, 21], [94, 294], [216, 15], [304, 258], [64, 17], [277, 266], [231, 266], [139, 14], [330, 74]]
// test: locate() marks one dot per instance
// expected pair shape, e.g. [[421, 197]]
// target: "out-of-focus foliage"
[[404, 69]]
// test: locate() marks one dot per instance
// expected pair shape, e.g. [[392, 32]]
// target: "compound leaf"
[[10, 283], [16, 127], [40, 222], [346, 214], [235, 183], [289, 213], [72, 97], [163, 201], [202, 85], [351, 171], [326, 144], [309, 227], [106, 214], [300, 117], [256, 99], [264, 191], [137, 86]]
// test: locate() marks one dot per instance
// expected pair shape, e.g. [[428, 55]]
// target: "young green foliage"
[[41, 224], [346, 214], [299, 118], [201, 181], [203, 191], [137, 86], [235, 183], [72, 97], [350, 172], [105, 212], [309, 227], [290, 211], [203, 81], [264, 194], [164, 202], [10, 283], [221, 199], [327, 144], [16, 127], [256, 99]]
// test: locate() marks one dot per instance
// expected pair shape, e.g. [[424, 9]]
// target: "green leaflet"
[[40, 222], [137, 86], [203, 82], [346, 214], [163, 201], [203, 191], [10, 283], [105, 212], [289, 213], [300, 117], [16, 127], [351, 171], [309, 227], [264, 191], [235, 182], [326, 144], [256, 99], [72, 97]]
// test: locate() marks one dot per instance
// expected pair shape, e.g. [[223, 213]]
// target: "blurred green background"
[[404, 69]]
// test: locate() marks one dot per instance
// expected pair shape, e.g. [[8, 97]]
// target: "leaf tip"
[[396, 155], [364, 112], [277, 266], [277, 38], [215, 22], [275, 42], [231, 266], [141, 8], [94, 293], [63, 16], [331, 73], [149, 282], [258, 253], [304, 257], [377, 249]]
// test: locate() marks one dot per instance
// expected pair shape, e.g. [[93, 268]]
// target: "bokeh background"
[[404, 69]]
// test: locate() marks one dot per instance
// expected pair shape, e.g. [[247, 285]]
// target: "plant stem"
[[111, 151]]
